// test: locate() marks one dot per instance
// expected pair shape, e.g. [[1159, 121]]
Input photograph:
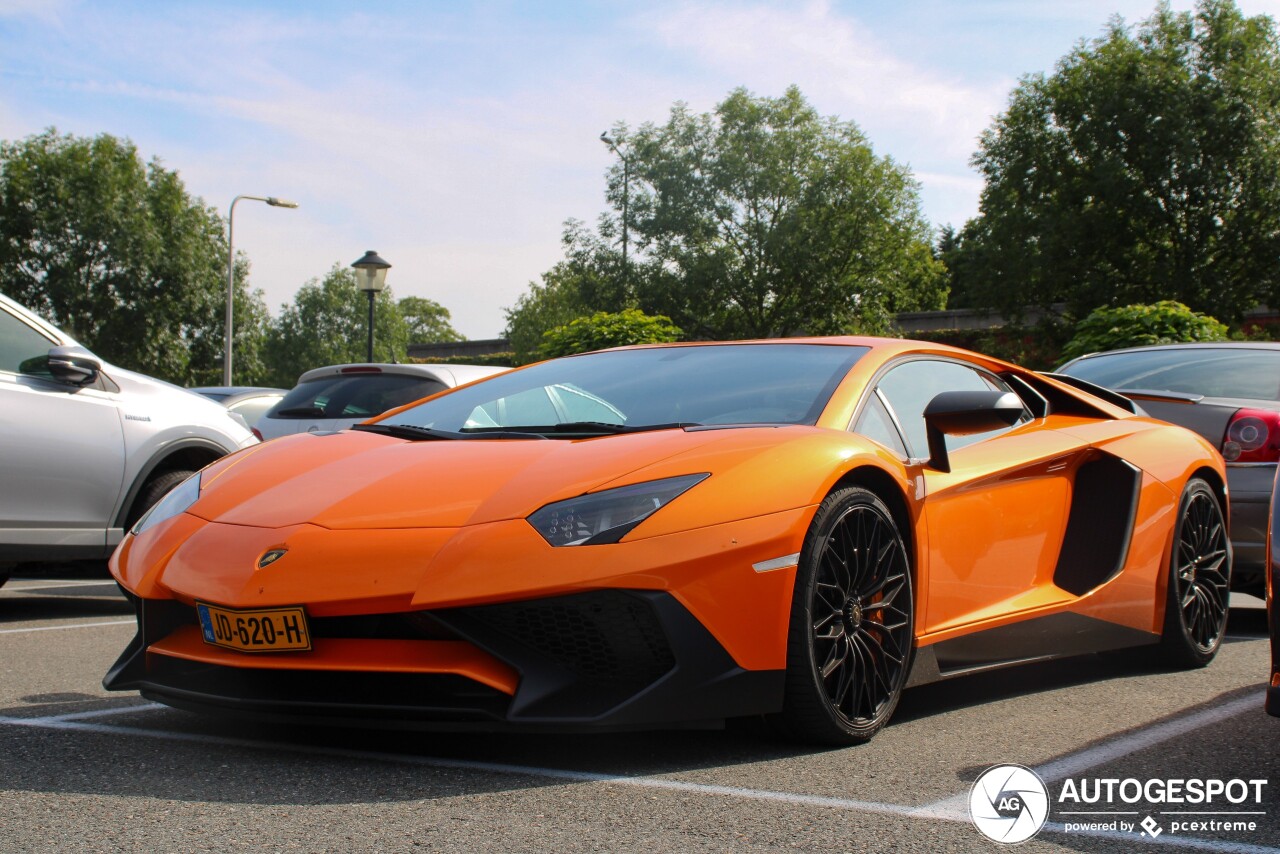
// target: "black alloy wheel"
[[1199, 580], [852, 622]]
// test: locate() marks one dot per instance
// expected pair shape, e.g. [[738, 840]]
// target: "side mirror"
[[73, 365], [963, 413]]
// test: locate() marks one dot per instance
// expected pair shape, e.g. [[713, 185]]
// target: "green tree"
[[760, 219], [426, 321], [765, 218], [117, 253], [328, 323], [604, 329], [1146, 167], [554, 302], [1164, 322]]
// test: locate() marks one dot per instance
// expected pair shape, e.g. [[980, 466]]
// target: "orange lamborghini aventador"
[[665, 535]]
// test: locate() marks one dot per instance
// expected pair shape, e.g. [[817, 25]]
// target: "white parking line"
[[1079, 762], [17, 586], [73, 722], [73, 626]]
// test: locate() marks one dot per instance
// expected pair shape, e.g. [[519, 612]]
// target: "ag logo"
[[1009, 803], [270, 557]]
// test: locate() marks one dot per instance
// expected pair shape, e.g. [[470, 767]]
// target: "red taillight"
[[1253, 436], [364, 369], [258, 433]]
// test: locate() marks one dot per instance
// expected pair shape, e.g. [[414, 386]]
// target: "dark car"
[[1230, 395], [337, 396]]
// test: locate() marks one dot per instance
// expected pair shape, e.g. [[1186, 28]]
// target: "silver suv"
[[87, 447]]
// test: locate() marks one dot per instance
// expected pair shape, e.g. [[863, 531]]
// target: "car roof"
[[450, 375], [1190, 345], [237, 389]]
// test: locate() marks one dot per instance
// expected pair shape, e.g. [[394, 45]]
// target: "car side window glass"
[[876, 423], [19, 344], [531, 407], [910, 386], [581, 405]]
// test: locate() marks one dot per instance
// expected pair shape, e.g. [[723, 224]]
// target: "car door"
[[62, 459], [996, 520]]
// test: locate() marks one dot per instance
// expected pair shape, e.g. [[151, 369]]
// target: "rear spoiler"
[[1112, 397]]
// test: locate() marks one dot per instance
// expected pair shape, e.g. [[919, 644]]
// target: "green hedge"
[[498, 360], [1037, 347]]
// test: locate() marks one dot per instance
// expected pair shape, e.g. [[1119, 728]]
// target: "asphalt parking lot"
[[87, 770]]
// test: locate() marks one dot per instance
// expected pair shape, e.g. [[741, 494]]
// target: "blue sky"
[[455, 138]]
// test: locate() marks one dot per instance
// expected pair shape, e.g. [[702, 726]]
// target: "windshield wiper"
[[579, 428], [301, 412], [416, 433]]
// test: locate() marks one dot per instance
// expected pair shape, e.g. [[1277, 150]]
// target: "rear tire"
[[852, 623], [158, 487], [1196, 598]]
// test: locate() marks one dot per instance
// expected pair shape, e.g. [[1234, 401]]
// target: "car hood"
[[356, 479]]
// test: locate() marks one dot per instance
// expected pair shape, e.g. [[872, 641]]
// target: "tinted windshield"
[[353, 395], [1240, 373], [724, 384]]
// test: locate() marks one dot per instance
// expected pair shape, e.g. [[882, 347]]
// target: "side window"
[[20, 343], [581, 405], [529, 408], [909, 387], [876, 423]]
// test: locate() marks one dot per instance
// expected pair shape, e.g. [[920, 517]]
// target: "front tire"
[[158, 487], [1196, 604], [852, 623]]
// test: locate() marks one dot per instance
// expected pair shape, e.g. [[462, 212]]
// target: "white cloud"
[[839, 66]]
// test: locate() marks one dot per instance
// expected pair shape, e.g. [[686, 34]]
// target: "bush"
[[603, 329], [1036, 347], [1164, 322], [506, 359]]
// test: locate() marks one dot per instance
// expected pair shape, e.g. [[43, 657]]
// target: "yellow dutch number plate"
[[261, 630]]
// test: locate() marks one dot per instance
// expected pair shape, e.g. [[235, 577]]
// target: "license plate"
[[259, 630]]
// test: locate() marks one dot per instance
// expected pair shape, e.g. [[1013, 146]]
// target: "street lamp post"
[[371, 277], [231, 271], [626, 192]]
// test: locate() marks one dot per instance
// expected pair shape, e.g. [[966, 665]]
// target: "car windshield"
[[1246, 373], [623, 390], [355, 395]]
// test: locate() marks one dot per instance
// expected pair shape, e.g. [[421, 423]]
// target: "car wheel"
[[851, 630], [158, 487], [1195, 618]]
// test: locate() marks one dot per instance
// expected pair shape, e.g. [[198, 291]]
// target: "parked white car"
[[88, 447], [249, 402], [337, 396]]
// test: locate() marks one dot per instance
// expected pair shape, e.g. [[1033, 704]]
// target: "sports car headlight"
[[606, 517], [176, 501]]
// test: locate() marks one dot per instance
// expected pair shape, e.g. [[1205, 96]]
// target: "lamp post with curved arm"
[[626, 192], [231, 271]]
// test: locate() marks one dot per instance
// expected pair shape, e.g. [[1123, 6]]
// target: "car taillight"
[[361, 369], [1253, 436], [258, 434]]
